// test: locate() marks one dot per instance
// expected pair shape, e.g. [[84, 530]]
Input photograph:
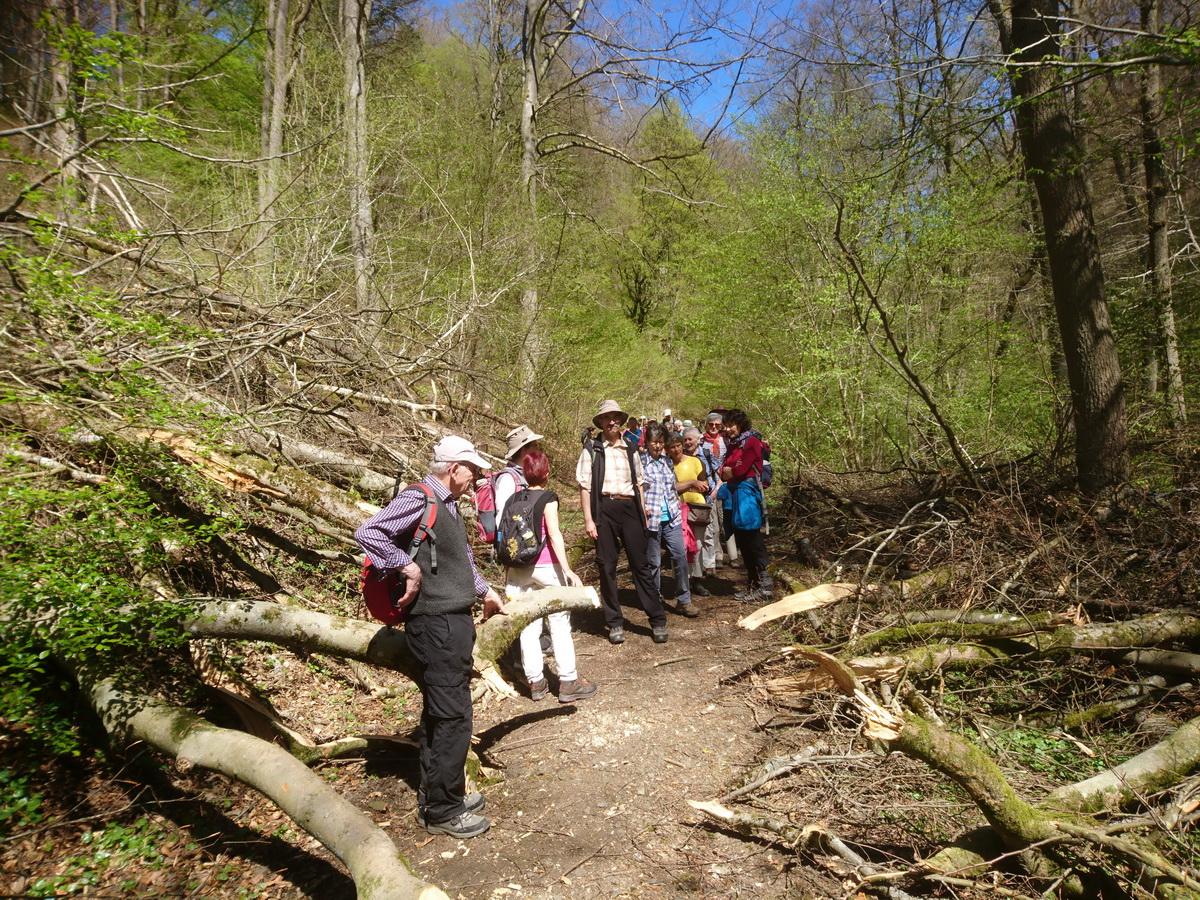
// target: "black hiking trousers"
[[752, 545], [620, 523], [442, 644]]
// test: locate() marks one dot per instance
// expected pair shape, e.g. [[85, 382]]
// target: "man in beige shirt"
[[609, 474]]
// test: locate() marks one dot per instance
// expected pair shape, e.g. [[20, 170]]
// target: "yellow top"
[[690, 468]]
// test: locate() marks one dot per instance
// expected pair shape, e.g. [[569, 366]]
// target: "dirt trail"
[[593, 797]]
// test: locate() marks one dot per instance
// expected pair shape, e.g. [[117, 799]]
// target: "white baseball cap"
[[453, 448]]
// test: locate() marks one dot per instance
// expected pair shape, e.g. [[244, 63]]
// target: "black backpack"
[[519, 539]]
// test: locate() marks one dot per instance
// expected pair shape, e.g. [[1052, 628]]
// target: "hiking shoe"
[[753, 595], [538, 689], [687, 609], [659, 633], [464, 825], [579, 689], [474, 803], [616, 635], [699, 590]]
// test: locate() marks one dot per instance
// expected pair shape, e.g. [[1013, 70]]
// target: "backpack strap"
[[424, 529]]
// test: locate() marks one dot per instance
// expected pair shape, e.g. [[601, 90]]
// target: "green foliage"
[[1048, 754], [70, 560], [20, 807], [111, 849]]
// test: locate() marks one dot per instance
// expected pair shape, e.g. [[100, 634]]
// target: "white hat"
[[667, 413], [453, 448], [519, 437], [687, 423]]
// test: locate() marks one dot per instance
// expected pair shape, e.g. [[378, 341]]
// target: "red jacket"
[[746, 460]]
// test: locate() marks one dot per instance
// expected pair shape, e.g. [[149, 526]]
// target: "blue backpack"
[[748, 511]]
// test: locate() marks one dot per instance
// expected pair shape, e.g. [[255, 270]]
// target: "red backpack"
[[486, 519], [382, 589]]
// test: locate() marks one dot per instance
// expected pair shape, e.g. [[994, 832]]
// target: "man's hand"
[[492, 604], [590, 527], [412, 572]]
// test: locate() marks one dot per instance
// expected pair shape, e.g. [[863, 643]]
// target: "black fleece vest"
[[452, 588]]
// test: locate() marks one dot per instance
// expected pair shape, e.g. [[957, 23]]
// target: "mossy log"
[[954, 630], [379, 871], [1144, 631], [1151, 771], [1020, 825]]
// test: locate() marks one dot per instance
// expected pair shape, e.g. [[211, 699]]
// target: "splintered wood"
[[813, 598]]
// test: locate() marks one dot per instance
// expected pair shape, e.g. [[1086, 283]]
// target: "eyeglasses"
[[476, 473]]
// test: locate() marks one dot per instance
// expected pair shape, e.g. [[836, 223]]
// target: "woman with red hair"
[[549, 570]]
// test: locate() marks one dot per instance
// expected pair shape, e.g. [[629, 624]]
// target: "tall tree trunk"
[[530, 321], [497, 60], [1054, 159], [64, 135], [276, 75], [355, 15], [1158, 255]]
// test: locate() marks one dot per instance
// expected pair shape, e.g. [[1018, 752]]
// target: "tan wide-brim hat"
[[521, 436], [608, 406]]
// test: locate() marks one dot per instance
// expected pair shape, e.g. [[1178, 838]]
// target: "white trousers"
[[532, 661]]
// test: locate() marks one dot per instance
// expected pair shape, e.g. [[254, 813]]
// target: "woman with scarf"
[[741, 470]]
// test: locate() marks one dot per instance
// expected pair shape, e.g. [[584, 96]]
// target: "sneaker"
[[538, 689], [616, 635], [579, 689], [659, 633], [474, 803], [464, 825], [687, 609]]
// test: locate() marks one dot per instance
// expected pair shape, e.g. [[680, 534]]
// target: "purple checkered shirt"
[[380, 535]]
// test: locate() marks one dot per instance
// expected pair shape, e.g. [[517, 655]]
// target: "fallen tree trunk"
[[1159, 767], [370, 642], [377, 867], [1144, 631], [1040, 834]]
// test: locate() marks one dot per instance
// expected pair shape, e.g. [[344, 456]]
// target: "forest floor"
[[590, 798]]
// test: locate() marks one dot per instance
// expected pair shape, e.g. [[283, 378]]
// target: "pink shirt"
[[546, 557]]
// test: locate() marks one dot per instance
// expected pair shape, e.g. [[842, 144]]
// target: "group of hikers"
[[642, 485]]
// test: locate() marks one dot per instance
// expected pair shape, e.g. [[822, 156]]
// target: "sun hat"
[[519, 437], [687, 423], [608, 406], [453, 448]]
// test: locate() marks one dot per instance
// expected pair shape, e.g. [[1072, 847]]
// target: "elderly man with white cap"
[[609, 474], [442, 585]]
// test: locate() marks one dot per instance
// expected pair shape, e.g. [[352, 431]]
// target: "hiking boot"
[[659, 633], [751, 595], [579, 689], [616, 635], [688, 610], [698, 588], [538, 689], [464, 825], [474, 803]]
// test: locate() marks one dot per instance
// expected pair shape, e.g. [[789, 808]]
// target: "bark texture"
[[1054, 157], [378, 869]]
